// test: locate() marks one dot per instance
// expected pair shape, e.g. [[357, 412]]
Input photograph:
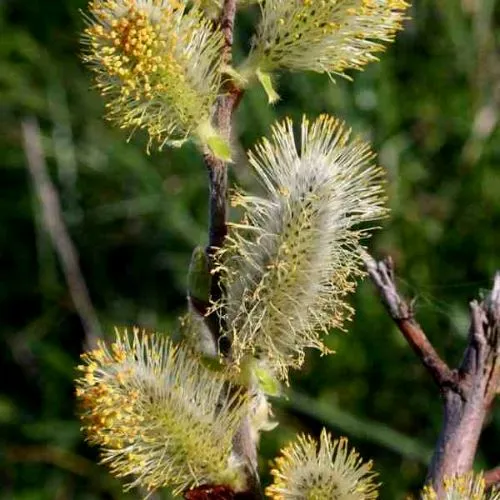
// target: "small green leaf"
[[213, 364], [219, 147], [199, 278], [257, 371], [209, 136], [268, 382], [238, 78], [267, 82]]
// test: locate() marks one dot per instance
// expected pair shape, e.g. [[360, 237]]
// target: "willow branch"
[[53, 222], [468, 391], [401, 312], [243, 443], [225, 107], [492, 477]]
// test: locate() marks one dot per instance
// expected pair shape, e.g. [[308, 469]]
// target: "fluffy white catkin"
[[290, 263]]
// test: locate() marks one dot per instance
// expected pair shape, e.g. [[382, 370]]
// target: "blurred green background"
[[431, 109]]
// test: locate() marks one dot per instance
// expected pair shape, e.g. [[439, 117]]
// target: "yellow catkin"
[[330, 470], [156, 64], [326, 36], [468, 486], [158, 415]]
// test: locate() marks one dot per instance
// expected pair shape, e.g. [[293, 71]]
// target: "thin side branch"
[[382, 276], [53, 222], [492, 477], [480, 367], [465, 411], [468, 391]]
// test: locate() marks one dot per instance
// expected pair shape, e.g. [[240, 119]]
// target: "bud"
[[160, 417], [331, 472], [199, 277], [288, 266]]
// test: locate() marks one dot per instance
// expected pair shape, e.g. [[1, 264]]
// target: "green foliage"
[[430, 110]]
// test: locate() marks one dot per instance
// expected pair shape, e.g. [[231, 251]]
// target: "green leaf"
[[267, 82], [209, 136], [219, 147], [268, 383], [199, 278]]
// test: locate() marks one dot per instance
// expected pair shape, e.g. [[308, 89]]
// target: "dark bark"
[[217, 173], [217, 492]]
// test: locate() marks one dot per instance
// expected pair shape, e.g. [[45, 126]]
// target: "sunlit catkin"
[[290, 263], [159, 416], [331, 471], [158, 66], [326, 36], [468, 486]]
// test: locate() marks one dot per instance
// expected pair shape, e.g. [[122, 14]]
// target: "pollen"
[[467, 486]]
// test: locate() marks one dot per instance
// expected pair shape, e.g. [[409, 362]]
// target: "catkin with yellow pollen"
[[160, 418], [468, 486], [325, 36], [332, 470], [157, 64]]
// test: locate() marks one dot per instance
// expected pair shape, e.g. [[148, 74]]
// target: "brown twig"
[[53, 222], [217, 492], [492, 477], [382, 275], [468, 391], [217, 169]]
